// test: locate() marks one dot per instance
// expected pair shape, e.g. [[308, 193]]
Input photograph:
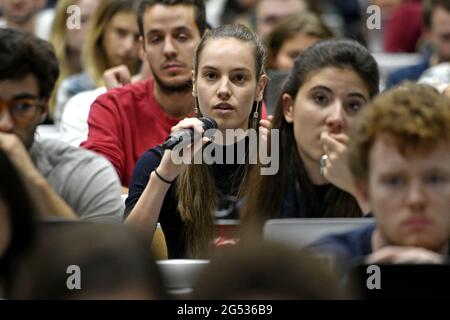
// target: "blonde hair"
[[94, 56], [58, 38]]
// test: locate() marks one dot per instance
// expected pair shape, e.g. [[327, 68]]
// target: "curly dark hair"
[[22, 53]]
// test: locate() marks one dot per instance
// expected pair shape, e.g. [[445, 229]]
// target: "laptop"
[[300, 232]]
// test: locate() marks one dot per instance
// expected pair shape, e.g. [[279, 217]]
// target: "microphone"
[[187, 134]]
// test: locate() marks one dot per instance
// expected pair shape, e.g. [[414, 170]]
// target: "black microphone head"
[[208, 123]]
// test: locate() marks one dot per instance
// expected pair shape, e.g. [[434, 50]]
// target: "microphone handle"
[[175, 139]]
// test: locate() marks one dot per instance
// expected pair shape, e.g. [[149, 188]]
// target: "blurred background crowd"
[[108, 93]]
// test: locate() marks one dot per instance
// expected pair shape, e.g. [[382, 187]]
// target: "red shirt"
[[405, 28], [125, 122]]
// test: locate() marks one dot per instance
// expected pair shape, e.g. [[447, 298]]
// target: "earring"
[[196, 109], [256, 115]]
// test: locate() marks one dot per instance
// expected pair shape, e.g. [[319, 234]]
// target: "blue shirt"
[[411, 73], [349, 247]]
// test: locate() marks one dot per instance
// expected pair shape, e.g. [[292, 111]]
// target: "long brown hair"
[[196, 188], [265, 194]]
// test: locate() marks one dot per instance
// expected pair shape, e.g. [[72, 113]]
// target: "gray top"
[[86, 181]]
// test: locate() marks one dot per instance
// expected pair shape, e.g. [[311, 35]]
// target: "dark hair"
[[22, 53], [427, 10], [20, 212], [345, 54], [199, 12], [306, 23], [111, 258], [266, 271], [265, 194]]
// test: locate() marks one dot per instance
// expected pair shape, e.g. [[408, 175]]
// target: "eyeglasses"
[[23, 111]]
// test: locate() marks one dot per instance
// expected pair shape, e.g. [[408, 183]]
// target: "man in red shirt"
[[127, 121], [405, 28]]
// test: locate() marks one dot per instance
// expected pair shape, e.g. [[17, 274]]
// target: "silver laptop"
[[301, 232]]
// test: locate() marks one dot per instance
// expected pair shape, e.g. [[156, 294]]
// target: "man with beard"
[[127, 121]]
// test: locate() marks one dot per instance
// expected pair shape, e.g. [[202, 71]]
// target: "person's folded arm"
[[48, 201]]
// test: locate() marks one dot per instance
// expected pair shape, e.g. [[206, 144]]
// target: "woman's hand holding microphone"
[[174, 160]]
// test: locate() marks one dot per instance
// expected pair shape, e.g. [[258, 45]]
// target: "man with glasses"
[[63, 180]]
